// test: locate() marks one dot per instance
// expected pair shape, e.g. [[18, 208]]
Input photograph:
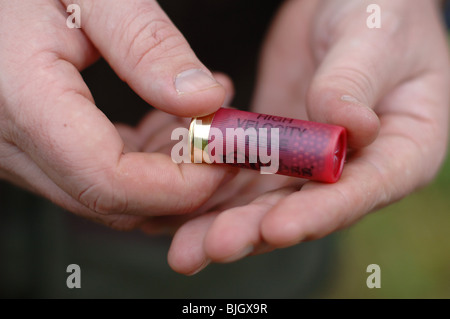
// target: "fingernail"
[[205, 263], [194, 80], [241, 254], [355, 101], [349, 98]]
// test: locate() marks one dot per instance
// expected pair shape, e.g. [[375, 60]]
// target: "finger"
[[186, 254], [155, 121], [149, 53], [235, 233], [158, 125], [245, 187], [21, 170], [22, 74], [237, 192], [19, 43], [129, 137], [287, 64], [406, 155], [156, 128], [81, 151], [223, 237], [227, 84], [357, 67]]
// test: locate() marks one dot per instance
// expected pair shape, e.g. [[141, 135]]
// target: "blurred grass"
[[409, 240]]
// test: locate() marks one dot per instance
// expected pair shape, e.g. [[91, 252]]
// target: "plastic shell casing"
[[306, 149]]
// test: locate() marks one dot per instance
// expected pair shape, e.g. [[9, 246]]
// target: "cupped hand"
[[55, 141], [388, 86]]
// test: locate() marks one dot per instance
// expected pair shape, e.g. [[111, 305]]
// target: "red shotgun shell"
[[297, 148]]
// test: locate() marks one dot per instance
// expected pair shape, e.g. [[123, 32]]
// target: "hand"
[[53, 139], [387, 86]]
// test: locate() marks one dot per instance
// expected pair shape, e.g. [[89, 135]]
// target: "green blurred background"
[[409, 240]]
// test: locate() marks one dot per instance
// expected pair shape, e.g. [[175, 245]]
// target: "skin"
[[388, 87], [53, 139]]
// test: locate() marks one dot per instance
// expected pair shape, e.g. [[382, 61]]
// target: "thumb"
[[149, 53], [357, 69]]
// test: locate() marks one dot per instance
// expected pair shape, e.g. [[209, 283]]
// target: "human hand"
[[387, 86], [53, 139]]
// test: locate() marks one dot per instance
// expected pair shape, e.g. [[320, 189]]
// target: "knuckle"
[[350, 80], [104, 199], [150, 39]]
